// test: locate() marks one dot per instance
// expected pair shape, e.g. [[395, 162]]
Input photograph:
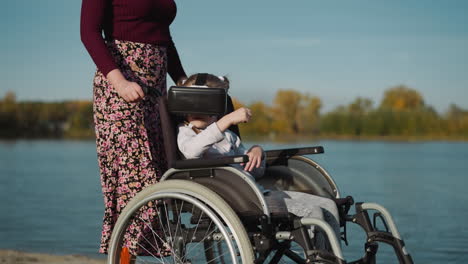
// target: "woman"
[[132, 61]]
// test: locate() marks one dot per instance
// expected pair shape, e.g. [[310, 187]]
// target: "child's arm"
[[241, 115], [193, 145]]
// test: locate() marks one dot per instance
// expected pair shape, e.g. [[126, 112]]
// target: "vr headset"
[[197, 99]]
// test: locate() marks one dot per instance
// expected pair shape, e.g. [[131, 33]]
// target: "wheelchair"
[[209, 212]]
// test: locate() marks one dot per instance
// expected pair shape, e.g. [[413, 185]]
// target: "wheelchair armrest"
[[214, 162], [288, 153]]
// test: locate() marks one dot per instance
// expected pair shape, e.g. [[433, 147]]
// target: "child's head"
[[212, 81]]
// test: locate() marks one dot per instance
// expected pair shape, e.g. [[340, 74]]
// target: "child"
[[206, 136]]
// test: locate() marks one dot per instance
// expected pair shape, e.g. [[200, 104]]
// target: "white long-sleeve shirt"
[[210, 143]]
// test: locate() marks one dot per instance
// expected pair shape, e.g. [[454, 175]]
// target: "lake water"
[[50, 197]]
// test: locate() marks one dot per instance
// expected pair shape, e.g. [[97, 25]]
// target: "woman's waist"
[[152, 35], [124, 44], [137, 56]]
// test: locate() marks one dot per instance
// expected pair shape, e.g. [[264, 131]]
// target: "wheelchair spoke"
[[164, 231], [203, 239], [219, 257], [150, 262], [166, 234], [154, 237], [204, 236], [170, 234], [206, 249], [149, 252], [171, 237], [219, 249], [161, 224], [179, 215], [196, 228]]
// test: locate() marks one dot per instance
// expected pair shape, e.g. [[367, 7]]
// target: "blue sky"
[[336, 50]]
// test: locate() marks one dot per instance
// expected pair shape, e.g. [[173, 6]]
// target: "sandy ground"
[[18, 257]]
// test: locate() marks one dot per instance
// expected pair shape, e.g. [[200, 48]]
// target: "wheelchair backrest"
[[169, 129], [169, 132]]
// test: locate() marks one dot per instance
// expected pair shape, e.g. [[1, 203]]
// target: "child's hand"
[[255, 158], [241, 115]]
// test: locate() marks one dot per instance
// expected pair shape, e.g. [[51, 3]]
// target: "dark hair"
[[212, 81]]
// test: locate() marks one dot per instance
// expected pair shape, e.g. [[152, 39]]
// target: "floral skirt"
[[128, 135]]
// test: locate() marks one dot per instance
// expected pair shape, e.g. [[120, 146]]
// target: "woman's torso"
[[144, 21]]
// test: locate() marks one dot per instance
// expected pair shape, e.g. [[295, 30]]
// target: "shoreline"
[[289, 138], [10, 256], [343, 138]]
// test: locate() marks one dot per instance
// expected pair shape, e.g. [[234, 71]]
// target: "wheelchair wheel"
[[191, 224]]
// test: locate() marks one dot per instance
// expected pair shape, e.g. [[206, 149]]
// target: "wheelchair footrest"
[[320, 256], [390, 236]]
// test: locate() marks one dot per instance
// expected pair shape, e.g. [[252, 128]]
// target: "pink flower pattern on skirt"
[[128, 136]]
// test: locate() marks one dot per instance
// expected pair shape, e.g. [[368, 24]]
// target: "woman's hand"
[[129, 91], [255, 158], [241, 115]]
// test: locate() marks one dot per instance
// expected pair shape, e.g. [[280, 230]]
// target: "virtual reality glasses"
[[197, 100]]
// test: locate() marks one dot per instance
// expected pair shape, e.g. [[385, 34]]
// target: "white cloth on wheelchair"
[[313, 206]]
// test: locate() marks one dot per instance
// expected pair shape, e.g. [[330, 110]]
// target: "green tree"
[[358, 110], [309, 115], [286, 111], [335, 122], [294, 112], [8, 120], [79, 121], [402, 97], [456, 121]]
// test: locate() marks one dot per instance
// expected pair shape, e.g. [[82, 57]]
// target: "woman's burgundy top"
[[144, 21]]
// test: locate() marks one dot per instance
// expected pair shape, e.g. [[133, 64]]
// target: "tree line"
[[402, 114], [45, 120]]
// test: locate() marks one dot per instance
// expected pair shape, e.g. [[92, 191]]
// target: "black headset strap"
[[201, 79]]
